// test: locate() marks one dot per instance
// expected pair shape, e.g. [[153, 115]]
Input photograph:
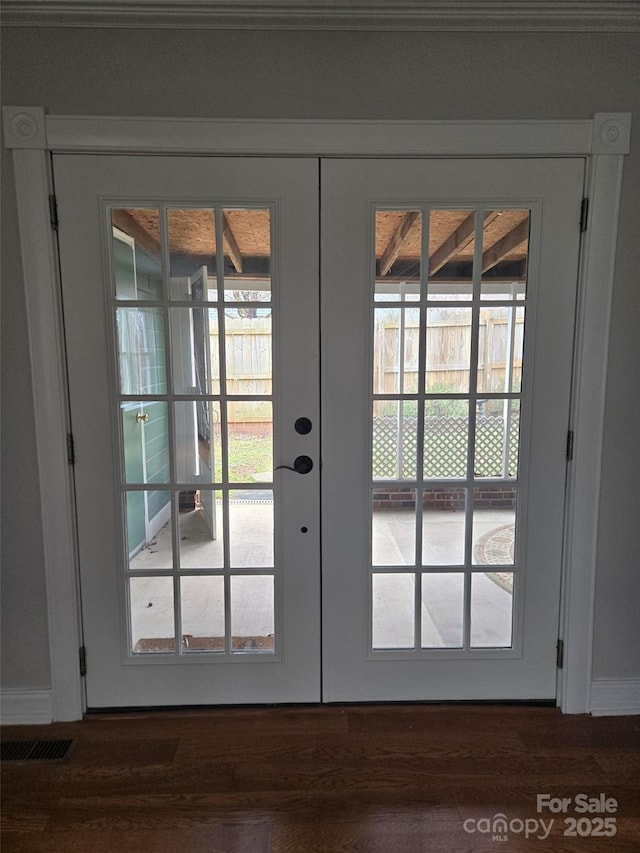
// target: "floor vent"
[[35, 750]]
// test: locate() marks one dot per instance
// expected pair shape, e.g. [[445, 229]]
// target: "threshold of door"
[[182, 709]]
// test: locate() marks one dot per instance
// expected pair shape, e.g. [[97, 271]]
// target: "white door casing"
[[603, 140]]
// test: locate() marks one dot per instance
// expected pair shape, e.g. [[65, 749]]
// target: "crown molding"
[[435, 15]]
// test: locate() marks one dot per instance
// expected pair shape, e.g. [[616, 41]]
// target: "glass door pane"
[[217, 405], [447, 392]]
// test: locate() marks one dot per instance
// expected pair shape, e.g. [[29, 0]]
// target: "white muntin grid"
[[219, 485], [415, 484]]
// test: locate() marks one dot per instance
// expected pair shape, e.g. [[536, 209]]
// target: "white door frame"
[[33, 135]]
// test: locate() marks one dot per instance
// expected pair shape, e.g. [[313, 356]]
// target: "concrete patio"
[[252, 597]]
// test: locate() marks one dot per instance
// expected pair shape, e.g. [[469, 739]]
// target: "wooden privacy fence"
[[448, 351], [248, 349], [248, 366]]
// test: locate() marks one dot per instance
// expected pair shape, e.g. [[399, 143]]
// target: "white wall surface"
[[326, 75]]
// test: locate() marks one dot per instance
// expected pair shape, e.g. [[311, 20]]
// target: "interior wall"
[[326, 75]]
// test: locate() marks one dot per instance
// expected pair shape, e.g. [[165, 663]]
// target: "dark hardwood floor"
[[377, 779]]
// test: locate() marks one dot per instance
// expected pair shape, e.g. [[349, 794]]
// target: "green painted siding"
[[142, 360], [156, 443], [136, 528]]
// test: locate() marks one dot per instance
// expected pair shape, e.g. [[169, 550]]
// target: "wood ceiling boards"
[[398, 236]]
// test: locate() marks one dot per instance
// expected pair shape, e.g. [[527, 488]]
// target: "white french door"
[[194, 311], [190, 291], [448, 296]]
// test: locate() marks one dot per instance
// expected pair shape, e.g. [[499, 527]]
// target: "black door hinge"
[[560, 654], [570, 445], [83, 660], [71, 454], [53, 212], [584, 214]]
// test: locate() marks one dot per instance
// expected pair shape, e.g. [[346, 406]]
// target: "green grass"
[[249, 454]]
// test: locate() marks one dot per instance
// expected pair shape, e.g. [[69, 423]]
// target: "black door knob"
[[302, 464]]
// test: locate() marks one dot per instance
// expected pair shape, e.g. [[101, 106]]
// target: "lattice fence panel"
[[445, 451], [445, 447], [489, 447], [389, 462]]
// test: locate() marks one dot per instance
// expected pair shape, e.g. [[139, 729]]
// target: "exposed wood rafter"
[[494, 254], [394, 247], [230, 246], [457, 241]]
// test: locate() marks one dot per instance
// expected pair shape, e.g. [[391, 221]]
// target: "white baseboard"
[[609, 697], [34, 707], [25, 707]]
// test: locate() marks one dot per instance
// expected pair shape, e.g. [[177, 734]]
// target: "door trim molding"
[[310, 137], [602, 140], [48, 377]]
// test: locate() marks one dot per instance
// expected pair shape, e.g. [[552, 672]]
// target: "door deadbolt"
[[303, 426]]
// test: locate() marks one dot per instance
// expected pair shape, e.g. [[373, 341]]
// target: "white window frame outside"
[[33, 136]]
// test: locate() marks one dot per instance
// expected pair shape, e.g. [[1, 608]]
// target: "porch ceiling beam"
[[394, 246], [230, 245], [457, 241], [494, 254], [123, 220]]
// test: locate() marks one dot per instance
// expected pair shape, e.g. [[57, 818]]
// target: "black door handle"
[[301, 465]]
